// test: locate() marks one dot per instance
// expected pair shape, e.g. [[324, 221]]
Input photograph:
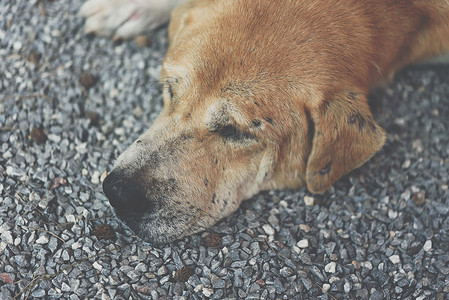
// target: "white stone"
[[70, 218], [326, 234], [427, 246], [395, 259], [303, 243], [326, 287], [114, 93], [368, 265], [65, 287], [119, 131], [81, 148], [76, 245], [392, 214], [17, 45], [334, 279], [162, 271], [347, 287], [208, 292], [54, 138], [3, 246], [43, 239], [199, 288], [309, 201], [7, 155], [268, 229], [406, 164], [9, 170], [97, 266], [7, 237], [330, 267], [95, 177]]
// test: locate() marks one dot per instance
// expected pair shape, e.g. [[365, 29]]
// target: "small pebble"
[[303, 243], [395, 259], [88, 80], [368, 265], [330, 267], [268, 229], [208, 292], [97, 266], [34, 57], [305, 228], [419, 198], [43, 239], [392, 214], [427, 245], [38, 136], [309, 201], [162, 271]]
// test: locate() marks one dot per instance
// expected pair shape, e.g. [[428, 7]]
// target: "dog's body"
[[258, 95]]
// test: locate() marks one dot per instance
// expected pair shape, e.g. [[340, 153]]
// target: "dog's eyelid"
[[170, 80], [169, 83], [170, 90], [231, 132]]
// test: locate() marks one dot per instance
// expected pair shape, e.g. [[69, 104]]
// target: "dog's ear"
[[344, 137]]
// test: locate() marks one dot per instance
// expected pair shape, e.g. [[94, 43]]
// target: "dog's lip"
[[154, 236]]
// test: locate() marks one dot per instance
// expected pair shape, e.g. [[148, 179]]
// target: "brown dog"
[[258, 95]]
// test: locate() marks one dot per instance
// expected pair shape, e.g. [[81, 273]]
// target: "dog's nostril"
[[125, 195], [112, 187]]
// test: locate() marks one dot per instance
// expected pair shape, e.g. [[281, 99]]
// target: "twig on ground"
[[49, 232]]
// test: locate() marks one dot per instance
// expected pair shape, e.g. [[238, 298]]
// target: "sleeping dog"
[[257, 95]]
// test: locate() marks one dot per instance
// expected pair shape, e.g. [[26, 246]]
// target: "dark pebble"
[[88, 80], [38, 135]]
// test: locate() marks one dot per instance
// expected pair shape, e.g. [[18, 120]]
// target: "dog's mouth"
[[163, 226]]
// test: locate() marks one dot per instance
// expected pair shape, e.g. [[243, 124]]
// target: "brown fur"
[[271, 94]]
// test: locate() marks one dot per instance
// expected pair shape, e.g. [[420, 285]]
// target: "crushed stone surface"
[[69, 104]]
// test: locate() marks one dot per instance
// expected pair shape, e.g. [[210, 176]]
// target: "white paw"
[[123, 19]]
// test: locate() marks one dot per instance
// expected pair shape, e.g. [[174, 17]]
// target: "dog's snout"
[[126, 195]]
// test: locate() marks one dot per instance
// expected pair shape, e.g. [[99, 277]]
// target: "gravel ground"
[[69, 104]]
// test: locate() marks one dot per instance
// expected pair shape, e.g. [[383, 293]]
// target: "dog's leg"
[[124, 19]]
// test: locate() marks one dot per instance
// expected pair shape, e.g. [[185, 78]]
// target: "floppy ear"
[[345, 137]]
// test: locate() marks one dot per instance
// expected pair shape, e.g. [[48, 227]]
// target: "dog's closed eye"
[[232, 133], [170, 99], [169, 90]]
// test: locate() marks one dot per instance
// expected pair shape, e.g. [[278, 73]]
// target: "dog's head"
[[242, 113]]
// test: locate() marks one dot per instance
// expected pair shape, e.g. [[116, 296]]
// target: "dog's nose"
[[125, 195]]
